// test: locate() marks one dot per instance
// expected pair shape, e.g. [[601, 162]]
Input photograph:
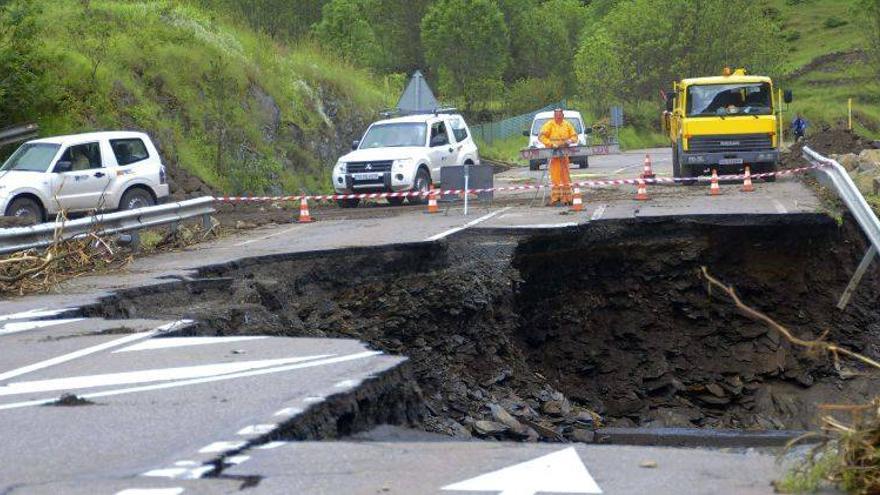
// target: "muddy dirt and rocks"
[[548, 336]]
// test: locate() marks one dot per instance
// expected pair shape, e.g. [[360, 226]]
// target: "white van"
[[577, 121]]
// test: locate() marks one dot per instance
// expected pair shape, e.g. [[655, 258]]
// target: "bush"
[[834, 22], [791, 36], [527, 95]]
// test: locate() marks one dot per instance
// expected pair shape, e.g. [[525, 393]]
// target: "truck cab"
[[723, 122]]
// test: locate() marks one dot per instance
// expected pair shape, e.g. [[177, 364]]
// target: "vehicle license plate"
[[730, 161], [372, 176]]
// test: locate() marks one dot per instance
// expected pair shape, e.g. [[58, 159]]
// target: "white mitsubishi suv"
[[404, 154], [83, 172]]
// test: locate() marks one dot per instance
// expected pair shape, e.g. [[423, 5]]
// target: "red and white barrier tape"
[[585, 184]]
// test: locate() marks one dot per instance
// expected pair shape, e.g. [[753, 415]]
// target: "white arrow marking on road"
[[170, 342], [559, 472], [154, 375], [24, 326]]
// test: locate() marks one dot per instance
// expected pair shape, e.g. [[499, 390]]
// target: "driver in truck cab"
[[559, 133]]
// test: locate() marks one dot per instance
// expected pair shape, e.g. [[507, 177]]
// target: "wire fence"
[[512, 126]]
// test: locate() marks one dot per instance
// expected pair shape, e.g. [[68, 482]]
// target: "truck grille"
[[732, 142], [360, 167]]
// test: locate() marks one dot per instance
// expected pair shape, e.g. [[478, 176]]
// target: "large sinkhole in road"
[[549, 327]]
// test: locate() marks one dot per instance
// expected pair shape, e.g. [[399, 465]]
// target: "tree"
[[466, 44], [870, 21], [345, 30], [644, 45], [22, 90], [397, 27]]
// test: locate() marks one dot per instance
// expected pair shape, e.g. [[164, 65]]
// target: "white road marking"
[[151, 491], [24, 326], [197, 381], [235, 460], [465, 226], [276, 234], [220, 447], [187, 463], [624, 169], [166, 473], [559, 472], [89, 350], [257, 429], [544, 225], [313, 399], [272, 445], [34, 313], [288, 411], [599, 212], [780, 208], [154, 375], [170, 342], [196, 473], [347, 384]]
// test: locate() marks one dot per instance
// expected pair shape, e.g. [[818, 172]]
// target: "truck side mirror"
[[355, 144], [787, 96], [525, 133], [670, 103]]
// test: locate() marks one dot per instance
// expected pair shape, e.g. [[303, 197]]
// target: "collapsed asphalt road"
[[551, 336]]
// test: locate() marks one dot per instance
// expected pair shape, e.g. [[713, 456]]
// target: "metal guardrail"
[[42, 235], [835, 177], [17, 134]]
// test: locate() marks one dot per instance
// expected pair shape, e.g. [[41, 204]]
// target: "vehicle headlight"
[[342, 167], [402, 163]]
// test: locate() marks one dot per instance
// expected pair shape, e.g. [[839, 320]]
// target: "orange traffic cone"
[[432, 201], [714, 189], [304, 216], [747, 183], [577, 203], [642, 193], [648, 173]]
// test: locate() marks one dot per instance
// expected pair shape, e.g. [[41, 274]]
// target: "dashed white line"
[[184, 383], [151, 491], [272, 445], [257, 429], [166, 473], [187, 463], [599, 212], [196, 473], [220, 447], [288, 411], [465, 226], [313, 399], [347, 383], [235, 460]]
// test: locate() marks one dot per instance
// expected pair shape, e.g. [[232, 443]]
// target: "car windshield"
[[539, 123], [729, 99], [395, 136], [31, 157]]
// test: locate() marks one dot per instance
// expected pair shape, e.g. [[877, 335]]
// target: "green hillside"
[[243, 112]]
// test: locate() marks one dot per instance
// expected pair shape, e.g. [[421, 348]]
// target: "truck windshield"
[[729, 99], [539, 123], [31, 157], [395, 136]]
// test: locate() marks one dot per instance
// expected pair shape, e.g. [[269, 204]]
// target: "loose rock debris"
[[549, 336]]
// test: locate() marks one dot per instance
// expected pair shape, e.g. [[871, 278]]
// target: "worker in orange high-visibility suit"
[[559, 133]]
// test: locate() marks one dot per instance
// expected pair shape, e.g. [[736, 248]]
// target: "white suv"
[[542, 118], [404, 154], [84, 172]]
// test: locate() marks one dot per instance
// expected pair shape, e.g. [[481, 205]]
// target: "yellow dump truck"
[[723, 122]]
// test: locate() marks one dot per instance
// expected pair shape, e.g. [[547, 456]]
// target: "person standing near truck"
[[799, 127], [559, 133]]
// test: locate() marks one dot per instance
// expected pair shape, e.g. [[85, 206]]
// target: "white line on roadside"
[[465, 226], [151, 491], [256, 430], [172, 342], [24, 326], [197, 381], [267, 237], [288, 411], [235, 460], [272, 445], [599, 212], [780, 208], [166, 473], [220, 447], [34, 313], [347, 383]]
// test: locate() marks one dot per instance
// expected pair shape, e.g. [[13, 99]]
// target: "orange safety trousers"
[[560, 181]]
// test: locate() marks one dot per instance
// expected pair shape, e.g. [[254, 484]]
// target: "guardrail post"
[[207, 223], [857, 277]]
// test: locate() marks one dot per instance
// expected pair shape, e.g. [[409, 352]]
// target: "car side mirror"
[[355, 144], [787, 96], [525, 133], [63, 166]]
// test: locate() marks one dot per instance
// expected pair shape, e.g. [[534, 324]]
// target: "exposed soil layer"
[[536, 337]]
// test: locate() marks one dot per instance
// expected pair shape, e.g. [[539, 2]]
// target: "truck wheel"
[[27, 209], [348, 203], [422, 184], [585, 163], [676, 166], [136, 198]]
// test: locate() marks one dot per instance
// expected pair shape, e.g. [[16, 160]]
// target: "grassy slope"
[[162, 66], [822, 89]]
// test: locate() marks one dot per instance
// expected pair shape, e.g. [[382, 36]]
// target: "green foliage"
[[22, 90], [526, 95], [345, 30], [834, 22], [282, 18], [870, 27], [644, 45], [466, 43]]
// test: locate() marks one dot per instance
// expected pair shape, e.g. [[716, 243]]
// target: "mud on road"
[[547, 336]]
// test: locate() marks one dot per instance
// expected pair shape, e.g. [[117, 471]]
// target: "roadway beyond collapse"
[[187, 379]]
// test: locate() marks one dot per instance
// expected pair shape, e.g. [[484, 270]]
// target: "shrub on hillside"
[[834, 22]]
